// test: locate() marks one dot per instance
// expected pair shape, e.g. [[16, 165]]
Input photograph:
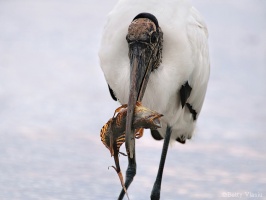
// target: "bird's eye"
[[153, 37]]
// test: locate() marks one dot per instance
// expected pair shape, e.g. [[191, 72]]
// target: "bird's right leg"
[[131, 171]]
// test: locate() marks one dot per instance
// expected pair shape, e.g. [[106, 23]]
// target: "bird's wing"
[[193, 90], [198, 79]]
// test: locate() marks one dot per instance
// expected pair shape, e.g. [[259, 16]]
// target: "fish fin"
[[139, 133]]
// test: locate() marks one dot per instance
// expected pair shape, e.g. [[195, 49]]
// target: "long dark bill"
[[140, 66]]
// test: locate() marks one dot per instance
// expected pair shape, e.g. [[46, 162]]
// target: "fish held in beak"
[[113, 132]]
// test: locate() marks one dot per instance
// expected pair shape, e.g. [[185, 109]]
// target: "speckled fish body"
[[113, 132]]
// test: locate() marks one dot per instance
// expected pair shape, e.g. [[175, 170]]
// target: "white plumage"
[[184, 58]]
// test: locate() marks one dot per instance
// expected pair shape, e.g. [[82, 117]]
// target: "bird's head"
[[145, 48], [145, 53]]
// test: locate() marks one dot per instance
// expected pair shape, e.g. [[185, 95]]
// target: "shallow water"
[[54, 101]]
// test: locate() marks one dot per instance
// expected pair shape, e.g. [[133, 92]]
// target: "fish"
[[113, 132]]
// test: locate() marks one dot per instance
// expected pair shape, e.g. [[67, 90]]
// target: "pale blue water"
[[54, 101]]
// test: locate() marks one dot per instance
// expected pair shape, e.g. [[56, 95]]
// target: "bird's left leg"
[[155, 194], [131, 170]]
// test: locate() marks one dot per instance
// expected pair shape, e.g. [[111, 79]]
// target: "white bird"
[[157, 52]]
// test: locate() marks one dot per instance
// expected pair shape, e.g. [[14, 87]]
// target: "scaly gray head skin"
[[145, 40]]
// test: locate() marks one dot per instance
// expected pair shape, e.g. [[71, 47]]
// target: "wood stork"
[[156, 52]]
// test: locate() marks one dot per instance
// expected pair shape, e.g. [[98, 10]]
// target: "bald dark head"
[[148, 16]]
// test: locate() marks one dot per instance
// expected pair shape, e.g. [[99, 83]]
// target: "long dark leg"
[[155, 194], [130, 173]]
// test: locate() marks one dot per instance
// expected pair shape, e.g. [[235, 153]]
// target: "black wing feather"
[[112, 93], [185, 93]]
